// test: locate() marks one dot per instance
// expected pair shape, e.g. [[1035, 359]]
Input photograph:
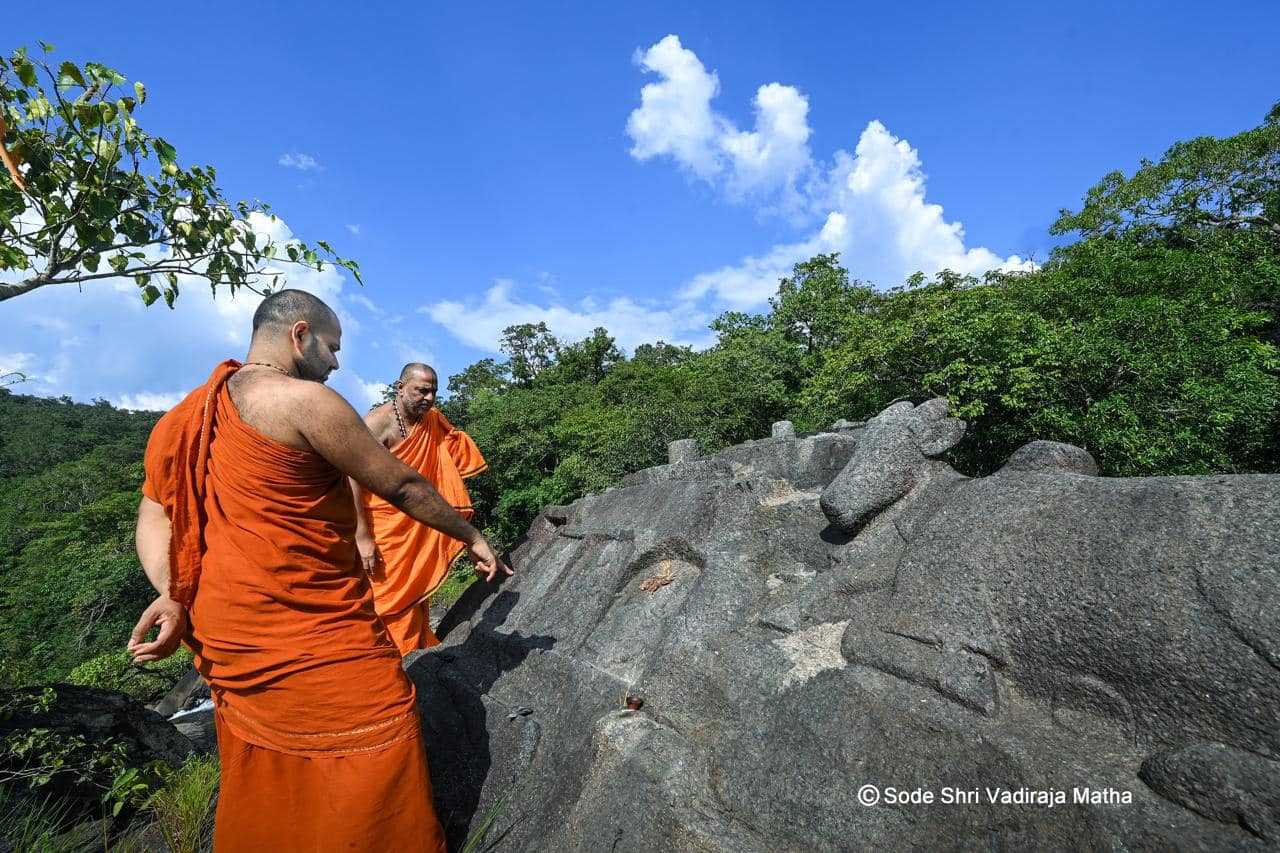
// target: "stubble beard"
[[313, 367]]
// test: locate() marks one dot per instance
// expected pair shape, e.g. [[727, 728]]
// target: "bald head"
[[417, 368], [280, 310]]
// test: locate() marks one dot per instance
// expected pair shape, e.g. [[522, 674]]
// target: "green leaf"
[[26, 72], [141, 279], [141, 91], [68, 73], [88, 114], [166, 153], [45, 46], [102, 73], [150, 294], [90, 261], [118, 262]]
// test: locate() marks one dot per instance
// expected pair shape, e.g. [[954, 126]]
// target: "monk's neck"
[[278, 356]]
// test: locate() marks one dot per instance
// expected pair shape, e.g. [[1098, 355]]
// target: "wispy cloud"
[[630, 321], [367, 304], [299, 161], [354, 230], [149, 401]]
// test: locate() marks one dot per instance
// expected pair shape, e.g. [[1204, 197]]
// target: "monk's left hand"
[[488, 564], [171, 618]]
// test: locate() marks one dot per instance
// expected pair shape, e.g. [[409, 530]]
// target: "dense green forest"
[[1150, 339], [69, 478]]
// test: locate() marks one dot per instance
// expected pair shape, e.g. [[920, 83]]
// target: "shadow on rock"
[[453, 682]]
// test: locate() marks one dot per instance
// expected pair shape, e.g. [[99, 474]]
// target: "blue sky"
[[491, 164]]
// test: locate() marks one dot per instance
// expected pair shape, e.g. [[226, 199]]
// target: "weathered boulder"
[[80, 737], [1074, 662]]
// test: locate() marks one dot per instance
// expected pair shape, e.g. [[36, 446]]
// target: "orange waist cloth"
[[273, 801], [416, 558], [282, 619]]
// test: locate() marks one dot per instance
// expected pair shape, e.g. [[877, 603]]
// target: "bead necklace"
[[395, 407], [272, 366]]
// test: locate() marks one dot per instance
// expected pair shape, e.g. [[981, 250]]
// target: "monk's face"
[[316, 349], [418, 392]]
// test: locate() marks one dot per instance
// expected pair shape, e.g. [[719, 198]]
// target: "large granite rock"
[[1084, 662]]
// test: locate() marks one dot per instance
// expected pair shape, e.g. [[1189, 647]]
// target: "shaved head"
[[416, 367], [417, 389], [282, 309]]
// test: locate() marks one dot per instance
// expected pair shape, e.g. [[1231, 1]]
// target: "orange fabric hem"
[[467, 475], [270, 800]]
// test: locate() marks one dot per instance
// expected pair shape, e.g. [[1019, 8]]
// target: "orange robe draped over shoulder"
[[318, 729], [416, 558]]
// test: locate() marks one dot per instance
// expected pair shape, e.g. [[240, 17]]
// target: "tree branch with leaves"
[[1202, 184], [87, 194]]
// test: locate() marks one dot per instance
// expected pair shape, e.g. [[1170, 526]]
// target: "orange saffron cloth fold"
[[282, 626], [415, 558]]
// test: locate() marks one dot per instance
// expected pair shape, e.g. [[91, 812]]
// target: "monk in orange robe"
[[246, 528], [406, 562]]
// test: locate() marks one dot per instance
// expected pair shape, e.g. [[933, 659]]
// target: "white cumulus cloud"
[[675, 115], [675, 119], [871, 204]]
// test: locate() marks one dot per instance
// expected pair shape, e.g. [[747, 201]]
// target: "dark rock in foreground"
[[1082, 662], [80, 735]]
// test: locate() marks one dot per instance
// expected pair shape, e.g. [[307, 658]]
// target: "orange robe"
[[283, 628], [415, 558]]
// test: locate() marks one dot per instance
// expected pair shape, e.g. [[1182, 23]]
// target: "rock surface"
[[98, 719], [806, 616]]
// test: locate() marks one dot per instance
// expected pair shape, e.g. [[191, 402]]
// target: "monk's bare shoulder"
[[381, 423]]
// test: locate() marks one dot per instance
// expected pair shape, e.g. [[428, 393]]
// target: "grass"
[[183, 808], [181, 812], [461, 575], [477, 836], [41, 825]]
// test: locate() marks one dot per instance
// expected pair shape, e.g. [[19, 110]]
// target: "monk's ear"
[[934, 429], [297, 334]]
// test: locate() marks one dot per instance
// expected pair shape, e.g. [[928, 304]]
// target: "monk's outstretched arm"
[[152, 540], [338, 434]]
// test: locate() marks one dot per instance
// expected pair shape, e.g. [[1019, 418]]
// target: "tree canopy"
[[87, 194]]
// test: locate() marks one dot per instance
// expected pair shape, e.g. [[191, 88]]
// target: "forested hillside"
[[69, 478]]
